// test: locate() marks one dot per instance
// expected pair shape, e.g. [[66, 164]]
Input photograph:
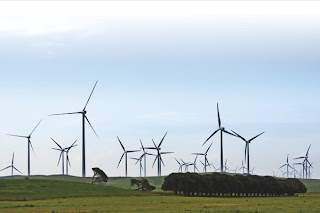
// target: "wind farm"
[[159, 106]]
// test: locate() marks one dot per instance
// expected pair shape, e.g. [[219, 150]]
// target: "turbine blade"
[[282, 166], [68, 160], [90, 95], [162, 161], [12, 159], [208, 148], [154, 161], [197, 153], [60, 158], [255, 136], [56, 143], [177, 161], [91, 127], [308, 150], [35, 127], [219, 121], [163, 153], [121, 144], [239, 136], [150, 148], [17, 170], [228, 132], [67, 113], [32, 148], [5, 168], [20, 136], [72, 145], [211, 136], [133, 151], [298, 158], [154, 144], [141, 145], [120, 160], [162, 139]]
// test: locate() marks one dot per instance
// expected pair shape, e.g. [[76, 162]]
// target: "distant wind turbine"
[[287, 165], [222, 130], [246, 150], [206, 162], [11, 166], [29, 144], [125, 153], [158, 156], [305, 162]]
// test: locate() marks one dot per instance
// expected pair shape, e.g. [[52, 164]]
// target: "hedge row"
[[217, 184]]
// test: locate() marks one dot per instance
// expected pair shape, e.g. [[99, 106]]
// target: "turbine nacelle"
[[221, 128]]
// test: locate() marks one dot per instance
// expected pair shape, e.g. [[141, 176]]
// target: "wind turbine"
[[158, 156], [12, 167], [140, 162], [246, 150], [194, 164], [287, 165], [84, 118], [125, 153], [221, 129], [61, 150], [67, 155], [186, 165], [205, 157], [225, 166], [29, 144], [305, 161]]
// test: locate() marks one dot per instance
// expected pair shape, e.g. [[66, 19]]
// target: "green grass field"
[[74, 194]]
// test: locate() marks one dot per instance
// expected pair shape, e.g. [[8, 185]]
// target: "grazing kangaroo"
[[99, 176], [142, 184]]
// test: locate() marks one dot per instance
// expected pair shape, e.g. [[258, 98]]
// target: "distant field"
[[74, 194]]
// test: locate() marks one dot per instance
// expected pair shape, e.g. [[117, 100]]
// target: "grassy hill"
[[31, 189]]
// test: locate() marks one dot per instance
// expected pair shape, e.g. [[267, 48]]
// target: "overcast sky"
[[161, 66]]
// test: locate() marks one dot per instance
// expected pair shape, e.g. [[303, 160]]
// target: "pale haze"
[[161, 66]]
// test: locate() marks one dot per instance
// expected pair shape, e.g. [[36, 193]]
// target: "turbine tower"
[[84, 118], [67, 155], [140, 163], [222, 130], [205, 158], [246, 149], [29, 144], [158, 156], [125, 153], [12, 167], [144, 155], [242, 167]]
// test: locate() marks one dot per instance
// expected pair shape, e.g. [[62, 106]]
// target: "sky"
[[161, 66]]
